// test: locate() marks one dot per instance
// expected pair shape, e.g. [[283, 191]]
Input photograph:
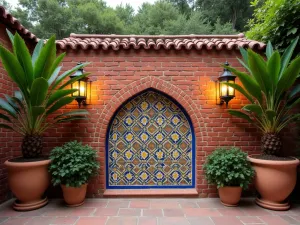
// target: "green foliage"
[[29, 110], [276, 21], [228, 167], [73, 164], [269, 88], [62, 17]]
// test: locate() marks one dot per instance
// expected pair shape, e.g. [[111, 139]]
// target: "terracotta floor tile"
[[188, 204], [9, 212], [130, 212], [95, 204], [79, 211], [200, 221], [205, 203], [44, 220], [57, 211], [142, 204], [3, 219], [250, 220], [201, 212], [173, 221], [37, 212], [152, 212], [256, 211], [231, 212], [16, 221], [167, 204], [173, 212], [106, 212], [147, 221], [68, 220], [273, 220], [290, 220], [92, 221], [296, 217], [117, 204], [226, 220], [122, 221]]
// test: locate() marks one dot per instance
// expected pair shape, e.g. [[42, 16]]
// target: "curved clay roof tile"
[[157, 42]]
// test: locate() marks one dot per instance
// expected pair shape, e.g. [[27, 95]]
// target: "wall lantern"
[[84, 87], [225, 92]]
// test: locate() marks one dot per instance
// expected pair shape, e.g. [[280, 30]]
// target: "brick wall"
[[187, 76]]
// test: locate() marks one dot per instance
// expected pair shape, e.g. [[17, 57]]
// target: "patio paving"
[[139, 211]]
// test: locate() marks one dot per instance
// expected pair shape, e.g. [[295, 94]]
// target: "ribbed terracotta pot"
[[230, 196], [274, 181], [28, 181], [74, 196]]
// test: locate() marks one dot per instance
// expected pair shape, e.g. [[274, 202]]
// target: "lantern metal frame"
[[81, 98], [226, 76]]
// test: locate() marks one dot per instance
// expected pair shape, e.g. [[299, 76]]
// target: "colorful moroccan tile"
[[150, 144]]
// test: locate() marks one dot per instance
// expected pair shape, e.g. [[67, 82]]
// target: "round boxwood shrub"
[[73, 164], [228, 167]]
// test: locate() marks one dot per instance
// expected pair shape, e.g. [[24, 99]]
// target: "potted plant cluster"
[[31, 111], [230, 170], [269, 87], [72, 165]]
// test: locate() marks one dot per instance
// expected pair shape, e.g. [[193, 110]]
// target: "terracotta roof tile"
[[116, 42], [15, 24]]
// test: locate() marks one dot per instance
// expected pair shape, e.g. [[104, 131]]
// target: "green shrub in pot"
[[230, 170], [72, 165]]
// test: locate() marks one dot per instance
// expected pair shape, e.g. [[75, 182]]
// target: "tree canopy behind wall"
[[62, 17]]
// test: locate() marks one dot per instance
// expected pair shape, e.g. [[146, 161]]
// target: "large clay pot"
[[230, 196], [74, 196], [28, 181], [274, 181]]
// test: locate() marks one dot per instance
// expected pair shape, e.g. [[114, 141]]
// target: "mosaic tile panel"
[[150, 144]]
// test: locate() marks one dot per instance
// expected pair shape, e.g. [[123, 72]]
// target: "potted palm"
[[72, 165], [230, 171], [268, 86], [32, 110]]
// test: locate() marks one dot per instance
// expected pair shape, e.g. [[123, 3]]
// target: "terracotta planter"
[[28, 181], [274, 180], [230, 196], [74, 196]]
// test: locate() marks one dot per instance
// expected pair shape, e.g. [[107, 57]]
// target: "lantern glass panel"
[[223, 89], [75, 85], [82, 88], [230, 89]]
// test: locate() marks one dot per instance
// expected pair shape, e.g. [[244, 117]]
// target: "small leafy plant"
[[228, 167], [73, 164]]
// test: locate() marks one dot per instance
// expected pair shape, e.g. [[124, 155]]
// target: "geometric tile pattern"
[[150, 144]]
